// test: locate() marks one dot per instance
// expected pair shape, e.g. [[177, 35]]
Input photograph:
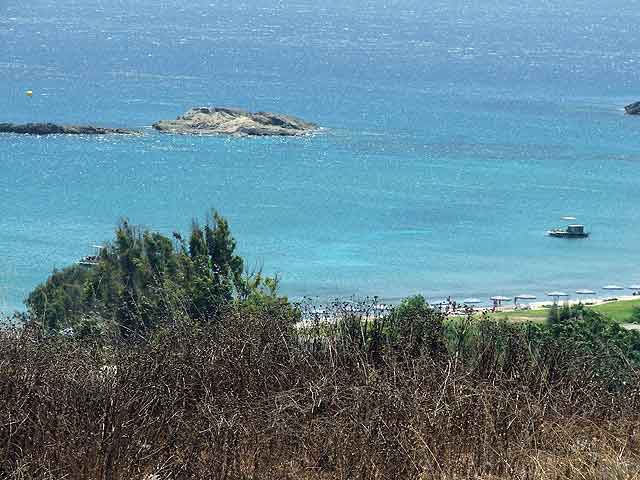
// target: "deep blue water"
[[456, 133]]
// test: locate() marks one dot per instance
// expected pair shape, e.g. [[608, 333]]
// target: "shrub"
[[143, 277], [249, 397]]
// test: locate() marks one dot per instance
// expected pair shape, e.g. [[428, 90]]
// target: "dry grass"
[[246, 397]]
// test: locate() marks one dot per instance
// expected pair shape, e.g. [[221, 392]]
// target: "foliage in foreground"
[[366, 396], [580, 328], [166, 361]]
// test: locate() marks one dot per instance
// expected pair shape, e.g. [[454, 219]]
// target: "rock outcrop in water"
[[231, 121], [633, 109], [55, 129]]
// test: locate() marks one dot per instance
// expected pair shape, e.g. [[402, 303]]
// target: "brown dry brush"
[[249, 396]]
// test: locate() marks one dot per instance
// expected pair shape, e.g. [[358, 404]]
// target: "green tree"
[[60, 299], [418, 326], [221, 247], [605, 346], [144, 278]]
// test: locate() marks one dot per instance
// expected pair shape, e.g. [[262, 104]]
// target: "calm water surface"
[[455, 134]]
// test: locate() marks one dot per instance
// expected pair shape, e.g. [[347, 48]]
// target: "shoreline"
[[588, 301], [619, 309]]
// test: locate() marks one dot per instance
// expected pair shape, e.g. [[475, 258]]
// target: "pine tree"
[[221, 247]]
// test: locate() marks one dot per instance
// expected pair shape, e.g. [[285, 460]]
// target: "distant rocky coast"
[[197, 121], [55, 129], [235, 122]]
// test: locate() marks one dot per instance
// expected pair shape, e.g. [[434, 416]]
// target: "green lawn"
[[521, 315], [616, 311]]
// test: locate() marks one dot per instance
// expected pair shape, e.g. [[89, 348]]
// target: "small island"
[[235, 122], [632, 109], [55, 129]]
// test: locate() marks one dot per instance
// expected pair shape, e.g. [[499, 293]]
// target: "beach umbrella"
[[471, 301], [585, 291], [612, 287], [523, 296], [557, 295], [498, 299]]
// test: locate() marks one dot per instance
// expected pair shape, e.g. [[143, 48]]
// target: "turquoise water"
[[455, 134]]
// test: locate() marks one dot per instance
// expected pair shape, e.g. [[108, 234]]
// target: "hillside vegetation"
[[150, 378]]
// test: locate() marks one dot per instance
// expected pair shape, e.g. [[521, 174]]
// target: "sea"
[[455, 134]]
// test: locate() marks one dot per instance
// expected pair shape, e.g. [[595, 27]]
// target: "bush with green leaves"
[[144, 278], [418, 325], [604, 345]]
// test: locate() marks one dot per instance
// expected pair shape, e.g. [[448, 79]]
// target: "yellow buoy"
[[29, 93]]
